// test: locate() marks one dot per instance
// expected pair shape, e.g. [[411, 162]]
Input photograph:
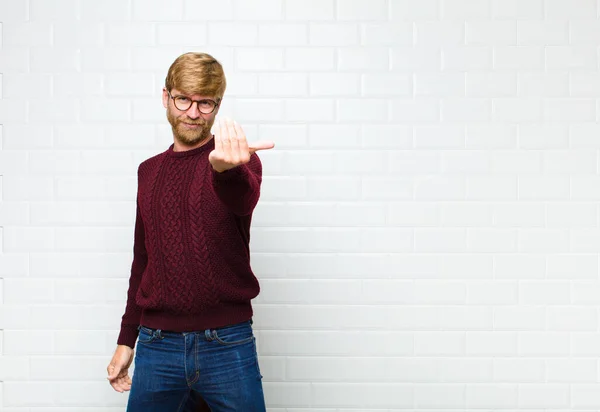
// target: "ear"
[[165, 97]]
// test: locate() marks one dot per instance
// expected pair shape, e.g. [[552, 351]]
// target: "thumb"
[[113, 371], [253, 147]]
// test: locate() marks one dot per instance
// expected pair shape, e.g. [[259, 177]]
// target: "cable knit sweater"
[[191, 256]]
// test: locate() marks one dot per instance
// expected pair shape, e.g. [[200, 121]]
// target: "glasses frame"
[[217, 103]]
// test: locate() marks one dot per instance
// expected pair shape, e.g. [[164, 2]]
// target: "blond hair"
[[197, 73]]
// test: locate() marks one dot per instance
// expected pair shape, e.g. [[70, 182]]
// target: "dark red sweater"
[[191, 256]]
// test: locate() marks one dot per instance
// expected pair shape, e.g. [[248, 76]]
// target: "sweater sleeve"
[[133, 313], [239, 188]]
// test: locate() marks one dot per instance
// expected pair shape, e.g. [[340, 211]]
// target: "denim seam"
[[190, 383], [185, 359], [260, 376], [197, 376], [222, 342]]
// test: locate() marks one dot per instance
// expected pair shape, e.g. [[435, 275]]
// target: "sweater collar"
[[210, 145]]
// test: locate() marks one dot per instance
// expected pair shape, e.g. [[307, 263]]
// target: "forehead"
[[177, 92]]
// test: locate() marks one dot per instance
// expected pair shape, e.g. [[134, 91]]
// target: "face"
[[190, 126]]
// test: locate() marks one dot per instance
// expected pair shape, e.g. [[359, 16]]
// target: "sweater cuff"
[[235, 173], [128, 336]]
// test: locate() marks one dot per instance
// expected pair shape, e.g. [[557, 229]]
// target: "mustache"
[[189, 121]]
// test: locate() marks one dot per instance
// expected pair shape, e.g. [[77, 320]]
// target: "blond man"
[[191, 284]]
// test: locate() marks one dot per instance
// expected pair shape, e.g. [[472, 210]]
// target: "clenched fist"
[[118, 369]]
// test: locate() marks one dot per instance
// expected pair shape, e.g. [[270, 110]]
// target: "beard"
[[189, 136]]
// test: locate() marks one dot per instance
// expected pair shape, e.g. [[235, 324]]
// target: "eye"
[[207, 104], [182, 99]]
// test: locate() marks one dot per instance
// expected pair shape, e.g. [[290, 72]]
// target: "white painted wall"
[[428, 234]]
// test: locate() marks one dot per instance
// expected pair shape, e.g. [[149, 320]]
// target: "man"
[[191, 283]]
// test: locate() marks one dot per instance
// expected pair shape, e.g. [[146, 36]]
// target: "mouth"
[[192, 125]]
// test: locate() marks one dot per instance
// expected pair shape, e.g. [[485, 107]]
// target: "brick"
[[26, 34], [492, 396], [321, 110], [465, 9], [491, 84], [439, 84], [536, 84], [497, 33], [391, 34], [309, 10], [283, 84], [232, 34], [570, 9], [542, 33], [48, 60], [571, 57], [466, 58], [313, 59], [334, 84], [435, 33], [416, 111], [60, 10], [362, 110], [178, 34], [259, 59], [207, 10], [518, 9], [157, 10], [258, 9], [109, 10], [355, 59], [78, 34], [518, 58], [288, 34], [410, 10], [337, 34]]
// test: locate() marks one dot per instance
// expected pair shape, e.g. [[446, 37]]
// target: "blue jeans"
[[220, 365]]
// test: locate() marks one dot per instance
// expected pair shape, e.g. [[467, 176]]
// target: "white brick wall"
[[428, 233]]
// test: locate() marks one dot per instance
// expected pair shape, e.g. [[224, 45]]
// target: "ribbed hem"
[[218, 316], [235, 173]]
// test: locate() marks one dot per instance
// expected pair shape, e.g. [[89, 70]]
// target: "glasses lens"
[[206, 106], [182, 103]]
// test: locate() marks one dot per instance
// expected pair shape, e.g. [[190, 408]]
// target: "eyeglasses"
[[183, 103]]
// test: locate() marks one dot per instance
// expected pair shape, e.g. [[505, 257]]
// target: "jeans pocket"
[[234, 335], [146, 335]]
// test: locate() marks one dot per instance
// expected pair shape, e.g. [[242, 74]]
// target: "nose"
[[193, 112]]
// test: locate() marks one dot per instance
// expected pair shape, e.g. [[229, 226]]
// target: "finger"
[[242, 142], [218, 139], [254, 147], [122, 383], [116, 387], [225, 143], [126, 385], [233, 141]]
